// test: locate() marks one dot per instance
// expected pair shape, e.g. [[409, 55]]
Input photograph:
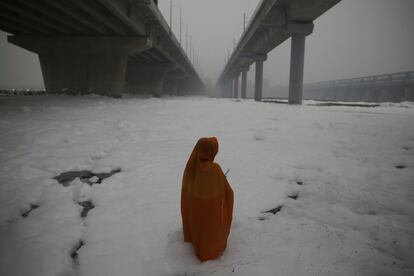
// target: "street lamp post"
[[186, 39], [181, 19], [170, 15], [244, 22], [190, 48]]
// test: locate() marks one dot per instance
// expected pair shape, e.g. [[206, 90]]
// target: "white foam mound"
[[354, 214]]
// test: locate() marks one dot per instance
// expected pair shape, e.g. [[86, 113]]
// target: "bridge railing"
[[377, 80], [394, 87]]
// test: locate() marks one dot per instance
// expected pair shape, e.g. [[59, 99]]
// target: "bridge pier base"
[[244, 83], [83, 65], [146, 78], [171, 82], [236, 86], [258, 85], [230, 89]]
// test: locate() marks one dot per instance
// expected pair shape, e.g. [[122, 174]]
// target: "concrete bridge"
[[101, 46], [397, 87], [273, 22]]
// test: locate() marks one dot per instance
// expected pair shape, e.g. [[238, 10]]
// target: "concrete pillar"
[[244, 83], [146, 78], [81, 65], [183, 86], [170, 86], [171, 81], [258, 86], [236, 86], [297, 59], [296, 69]]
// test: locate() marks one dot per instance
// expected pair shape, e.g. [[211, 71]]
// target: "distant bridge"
[[273, 22], [397, 87], [100, 46]]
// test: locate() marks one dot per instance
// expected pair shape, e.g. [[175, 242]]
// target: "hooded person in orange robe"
[[206, 202]]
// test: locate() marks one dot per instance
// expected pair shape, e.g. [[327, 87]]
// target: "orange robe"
[[206, 202]]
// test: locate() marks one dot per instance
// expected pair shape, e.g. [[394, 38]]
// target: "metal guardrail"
[[396, 87], [377, 80]]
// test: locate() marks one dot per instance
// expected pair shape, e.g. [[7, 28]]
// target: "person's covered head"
[[207, 148], [203, 155]]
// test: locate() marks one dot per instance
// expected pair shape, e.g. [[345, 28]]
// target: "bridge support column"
[[230, 89], [184, 87], [297, 59], [244, 83], [258, 86], [171, 82], [236, 86], [146, 78], [81, 65]]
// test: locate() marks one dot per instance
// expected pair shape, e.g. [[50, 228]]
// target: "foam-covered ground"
[[351, 169]]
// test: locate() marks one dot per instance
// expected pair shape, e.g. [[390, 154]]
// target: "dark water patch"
[[67, 177], [275, 101], [400, 166], [32, 207], [273, 211], [87, 206], [406, 147], [346, 104], [74, 252], [293, 196], [299, 182]]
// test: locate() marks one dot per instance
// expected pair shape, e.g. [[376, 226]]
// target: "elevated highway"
[[100, 46], [397, 87], [273, 22]]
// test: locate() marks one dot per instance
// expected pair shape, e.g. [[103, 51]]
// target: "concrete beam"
[[116, 8], [101, 18], [62, 7], [21, 26], [50, 13], [80, 65], [30, 19]]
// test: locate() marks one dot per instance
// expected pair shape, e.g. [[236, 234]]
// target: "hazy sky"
[[355, 38]]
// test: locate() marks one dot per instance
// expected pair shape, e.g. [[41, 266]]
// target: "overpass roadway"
[[396, 87], [100, 46], [273, 22]]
